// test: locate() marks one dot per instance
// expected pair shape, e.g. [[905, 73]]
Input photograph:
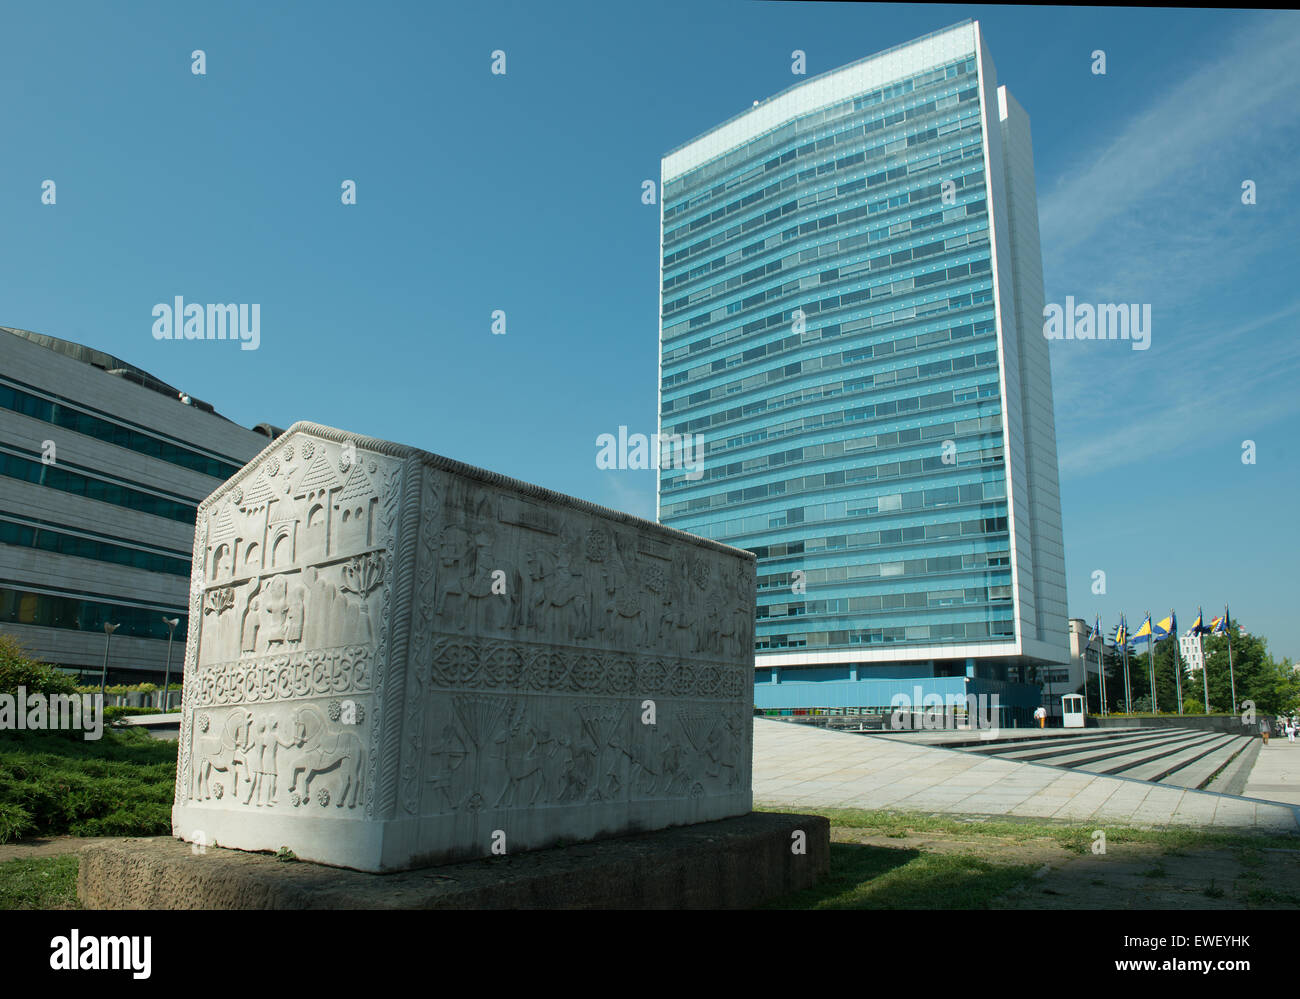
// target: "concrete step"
[[1004, 745], [971, 740], [1219, 748], [1197, 773], [1199, 743], [1237, 772], [1135, 750]]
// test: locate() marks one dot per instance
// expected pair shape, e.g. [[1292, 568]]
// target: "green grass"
[[874, 877], [57, 783], [866, 876], [39, 883], [1074, 837]]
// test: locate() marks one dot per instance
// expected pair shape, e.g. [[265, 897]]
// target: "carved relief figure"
[[445, 759], [322, 751], [555, 587], [465, 563], [523, 762], [266, 772], [226, 753]]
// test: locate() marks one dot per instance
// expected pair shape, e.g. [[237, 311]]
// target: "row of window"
[[899, 569], [962, 458], [62, 478], [914, 405], [973, 176], [921, 600], [894, 259], [848, 476], [956, 431], [873, 152], [680, 186], [792, 261], [924, 306], [77, 614], [824, 421], [964, 148], [934, 333], [836, 112], [967, 631], [961, 231], [864, 540], [62, 415], [876, 441], [735, 531], [50, 540], [854, 357]]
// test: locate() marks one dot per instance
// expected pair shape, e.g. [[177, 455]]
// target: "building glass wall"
[[828, 327]]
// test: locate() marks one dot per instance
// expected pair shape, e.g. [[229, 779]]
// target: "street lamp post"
[[171, 623], [108, 637]]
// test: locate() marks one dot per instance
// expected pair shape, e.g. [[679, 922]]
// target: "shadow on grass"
[[881, 877]]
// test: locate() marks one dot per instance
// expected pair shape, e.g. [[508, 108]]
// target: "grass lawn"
[[57, 782], [39, 883], [889, 860]]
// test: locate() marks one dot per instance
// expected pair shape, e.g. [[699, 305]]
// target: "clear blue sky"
[[478, 192]]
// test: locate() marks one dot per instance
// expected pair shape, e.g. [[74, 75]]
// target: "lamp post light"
[[108, 637], [171, 623]]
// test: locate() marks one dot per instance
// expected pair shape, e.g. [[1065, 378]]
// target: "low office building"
[[102, 468]]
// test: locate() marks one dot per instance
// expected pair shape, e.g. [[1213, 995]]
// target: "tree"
[[17, 670], [1273, 687]]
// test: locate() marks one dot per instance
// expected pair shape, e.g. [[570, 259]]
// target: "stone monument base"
[[733, 863]]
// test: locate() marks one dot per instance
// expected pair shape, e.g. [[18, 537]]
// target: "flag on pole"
[[1121, 633], [1198, 626], [1143, 634], [1165, 628], [1096, 629]]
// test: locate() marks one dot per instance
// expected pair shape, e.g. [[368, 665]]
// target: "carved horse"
[[556, 586], [523, 763], [322, 752], [226, 753], [465, 573]]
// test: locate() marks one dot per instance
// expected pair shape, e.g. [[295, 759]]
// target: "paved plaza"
[[1276, 775], [802, 767]]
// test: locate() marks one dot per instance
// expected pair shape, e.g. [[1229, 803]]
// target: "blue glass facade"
[[828, 328]]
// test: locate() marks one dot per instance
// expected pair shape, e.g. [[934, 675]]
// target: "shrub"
[[57, 782], [17, 670]]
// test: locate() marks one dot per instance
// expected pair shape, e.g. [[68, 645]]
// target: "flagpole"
[[1151, 661], [1227, 630], [1085, 675], [1178, 659], [1200, 645], [1101, 665], [1128, 680]]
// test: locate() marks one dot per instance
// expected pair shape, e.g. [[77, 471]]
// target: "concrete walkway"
[[1276, 774], [809, 768]]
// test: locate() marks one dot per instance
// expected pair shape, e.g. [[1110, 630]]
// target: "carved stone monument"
[[396, 660]]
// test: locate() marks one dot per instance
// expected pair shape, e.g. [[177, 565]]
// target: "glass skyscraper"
[[850, 322]]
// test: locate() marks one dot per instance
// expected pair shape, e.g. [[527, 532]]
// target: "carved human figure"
[[445, 758], [523, 763], [266, 773], [275, 604], [465, 575], [555, 586]]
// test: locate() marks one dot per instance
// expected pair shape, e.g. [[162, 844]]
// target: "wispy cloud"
[[1155, 216]]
